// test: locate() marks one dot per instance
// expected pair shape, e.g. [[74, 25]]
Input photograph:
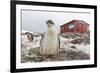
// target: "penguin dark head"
[[49, 23]]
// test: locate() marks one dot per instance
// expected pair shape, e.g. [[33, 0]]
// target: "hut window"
[[71, 26]]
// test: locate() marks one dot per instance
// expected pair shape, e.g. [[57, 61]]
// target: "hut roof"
[[80, 21]]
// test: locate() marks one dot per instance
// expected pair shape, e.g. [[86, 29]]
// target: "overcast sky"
[[34, 21]]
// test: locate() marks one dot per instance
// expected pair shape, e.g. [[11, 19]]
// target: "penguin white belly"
[[50, 43]]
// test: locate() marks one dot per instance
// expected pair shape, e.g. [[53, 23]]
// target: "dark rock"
[[38, 59], [74, 47]]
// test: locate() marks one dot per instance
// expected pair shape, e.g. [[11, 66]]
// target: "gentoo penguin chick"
[[50, 43]]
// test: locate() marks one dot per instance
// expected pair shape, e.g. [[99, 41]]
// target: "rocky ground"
[[72, 47]]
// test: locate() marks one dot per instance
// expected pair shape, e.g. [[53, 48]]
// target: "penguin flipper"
[[58, 45]]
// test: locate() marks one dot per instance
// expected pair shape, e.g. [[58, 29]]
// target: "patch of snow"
[[84, 48]]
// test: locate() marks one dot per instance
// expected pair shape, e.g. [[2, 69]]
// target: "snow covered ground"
[[65, 43], [68, 49]]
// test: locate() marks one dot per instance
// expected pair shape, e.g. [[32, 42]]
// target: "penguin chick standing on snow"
[[50, 42]]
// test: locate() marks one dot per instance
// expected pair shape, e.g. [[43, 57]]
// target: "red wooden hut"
[[74, 26]]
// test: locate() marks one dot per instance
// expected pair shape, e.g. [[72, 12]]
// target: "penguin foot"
[[48, 56]]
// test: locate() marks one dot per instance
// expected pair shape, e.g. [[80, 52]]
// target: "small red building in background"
[[74, 26]]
